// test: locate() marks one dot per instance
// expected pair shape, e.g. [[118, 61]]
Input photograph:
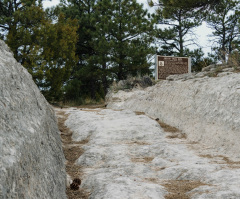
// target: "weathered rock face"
[[129, 155], [206, 109], [31, 157]]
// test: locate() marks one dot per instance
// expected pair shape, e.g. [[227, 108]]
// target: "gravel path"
[[129, 155]]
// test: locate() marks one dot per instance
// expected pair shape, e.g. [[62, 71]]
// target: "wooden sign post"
[[166, 65]]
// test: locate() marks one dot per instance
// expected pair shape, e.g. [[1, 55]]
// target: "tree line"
[[75, 50]]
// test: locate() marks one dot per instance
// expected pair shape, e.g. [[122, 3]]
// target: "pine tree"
[[198, 61], [15, 17], [130, 35], [101, 43], [58, 57], [114, 41], [178, 24], [46, 49], [224, 20], [85, 78], [203, 4]]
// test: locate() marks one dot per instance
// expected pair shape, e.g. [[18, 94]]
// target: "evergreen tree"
[[57, 57], [15, 16], [113, 42], [85, 75], [203, 4], [47, 50], [178, 24], [101, 43], [130, 35], [198, 61], [224, 20]]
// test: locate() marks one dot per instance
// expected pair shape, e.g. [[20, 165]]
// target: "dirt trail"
[[72, 151]]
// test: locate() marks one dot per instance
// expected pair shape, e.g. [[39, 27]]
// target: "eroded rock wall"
[[31, 157], [206, 109]]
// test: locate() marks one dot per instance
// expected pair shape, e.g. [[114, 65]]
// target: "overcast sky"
[[201, 32]]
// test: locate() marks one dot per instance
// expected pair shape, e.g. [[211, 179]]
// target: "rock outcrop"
[[206, 109], [213, 70], [128, 155], [31, 157], [132, 83]]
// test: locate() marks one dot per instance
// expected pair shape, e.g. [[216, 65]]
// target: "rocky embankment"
[[206, 109], [133, 154], [126, 154], [31, 157]]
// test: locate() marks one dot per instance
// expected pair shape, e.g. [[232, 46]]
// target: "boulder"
[[31, 156]]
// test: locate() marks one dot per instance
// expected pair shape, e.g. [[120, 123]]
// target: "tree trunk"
[[104, 78], [180, 35]]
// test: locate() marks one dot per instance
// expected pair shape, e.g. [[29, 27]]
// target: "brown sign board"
[[166, 65]]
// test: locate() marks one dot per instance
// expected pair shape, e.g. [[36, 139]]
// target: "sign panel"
[[166, 66]]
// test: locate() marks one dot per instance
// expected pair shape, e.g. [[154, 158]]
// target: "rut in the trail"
[[176, 188], [72, 151], [122, 154]]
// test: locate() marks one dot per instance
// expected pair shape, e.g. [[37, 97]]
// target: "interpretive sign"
[[166, 65]]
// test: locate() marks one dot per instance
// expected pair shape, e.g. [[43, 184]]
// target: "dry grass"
[[153, 180], [72, 151], [139, 113], [168, 128], [178, 135], [139, 143], [90, 110], [92, 106], [78, 194], [206, 156], [66, 133], [145, 159], [230, 163], [226, 159], [193, 142], [178, 188], [175, 132]]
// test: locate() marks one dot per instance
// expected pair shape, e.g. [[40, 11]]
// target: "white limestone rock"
[[31, 157], [130, 156], [200, 74], [206, 109], [180, 77], [228, 69], [224, 74], [209, 68]]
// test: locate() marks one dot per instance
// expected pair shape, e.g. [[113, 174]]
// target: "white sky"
[[201, 32], [48, 3]]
